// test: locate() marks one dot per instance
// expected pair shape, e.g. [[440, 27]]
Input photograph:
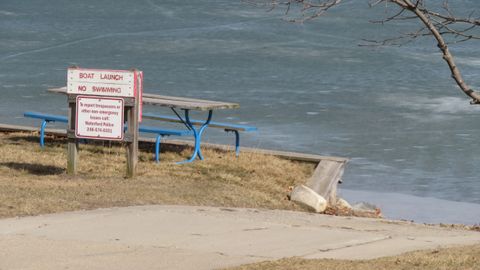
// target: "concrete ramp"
[[183, 237]]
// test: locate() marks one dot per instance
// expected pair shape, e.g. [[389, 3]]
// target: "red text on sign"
[[84, 75]]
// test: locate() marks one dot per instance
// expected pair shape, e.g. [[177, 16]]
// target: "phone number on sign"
[[94, 129]]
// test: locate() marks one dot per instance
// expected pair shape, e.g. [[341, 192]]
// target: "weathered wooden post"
[[133, 117], [72, 146], [98, 102]]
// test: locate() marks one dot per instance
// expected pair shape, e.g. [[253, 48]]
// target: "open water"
[[308, 87]]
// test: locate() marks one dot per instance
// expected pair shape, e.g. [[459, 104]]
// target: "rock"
[[306, 196], [364, 209], [364, 206], [341, 203], [340, 208]]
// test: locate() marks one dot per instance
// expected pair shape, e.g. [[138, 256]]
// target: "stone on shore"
[[306, 196], [342, 203], [364, 209]]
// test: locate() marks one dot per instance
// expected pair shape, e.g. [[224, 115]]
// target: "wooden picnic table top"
[[174, 102]]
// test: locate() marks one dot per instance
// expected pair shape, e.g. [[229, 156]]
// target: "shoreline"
[[427, 210], [395, 206], [127, 224]]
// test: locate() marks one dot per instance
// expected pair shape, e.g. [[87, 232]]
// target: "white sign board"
[[117, 83], [99, 118]]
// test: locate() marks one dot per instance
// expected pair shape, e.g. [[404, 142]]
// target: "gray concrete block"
[[306, 196]]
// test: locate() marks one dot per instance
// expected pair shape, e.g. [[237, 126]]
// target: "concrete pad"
[[185, 237]]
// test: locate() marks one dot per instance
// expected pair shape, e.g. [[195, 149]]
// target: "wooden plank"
[[72, 156], [132, 146], [325, 179], [283, 154], [295, 155], [58, 90], [194, 122], [311, 158], [72, 144], [173, 102], [147, 95], [201, 106]]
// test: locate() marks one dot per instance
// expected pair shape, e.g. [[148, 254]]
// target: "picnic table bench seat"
[[228, 127], [46, 118], [160, 132]]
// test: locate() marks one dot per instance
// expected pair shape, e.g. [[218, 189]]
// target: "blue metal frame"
[[46, 118], [228, 127], [237, 140], [189, 123], [161, 133], [157, 148], [197, 133], [42, 133]]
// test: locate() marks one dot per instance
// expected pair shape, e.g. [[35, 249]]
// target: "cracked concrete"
[[186, 237]]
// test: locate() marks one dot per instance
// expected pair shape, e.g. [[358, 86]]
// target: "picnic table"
[[186, 105]]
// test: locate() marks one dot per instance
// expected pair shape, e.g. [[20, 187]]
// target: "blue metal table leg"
[[42, 133], [237, 140], [197, 133], [157, 148], [237, 143], [200, 133]]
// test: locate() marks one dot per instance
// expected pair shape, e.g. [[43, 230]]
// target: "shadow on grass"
[[36, 169], [30, 138], [104, 147], [100, 146], [50, 140]]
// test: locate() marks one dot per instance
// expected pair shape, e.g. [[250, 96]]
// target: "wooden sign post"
[[99, 102]]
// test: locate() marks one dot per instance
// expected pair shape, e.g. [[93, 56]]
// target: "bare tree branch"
[[309, 9], [447, 56], [440, 24]]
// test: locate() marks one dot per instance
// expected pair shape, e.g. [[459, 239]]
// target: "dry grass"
[[450, 258], [33, 180]]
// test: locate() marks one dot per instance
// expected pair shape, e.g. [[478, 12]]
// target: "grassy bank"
[[33, 180], [448, 258]]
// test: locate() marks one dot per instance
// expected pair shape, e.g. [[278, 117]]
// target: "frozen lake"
[[308, 87]]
